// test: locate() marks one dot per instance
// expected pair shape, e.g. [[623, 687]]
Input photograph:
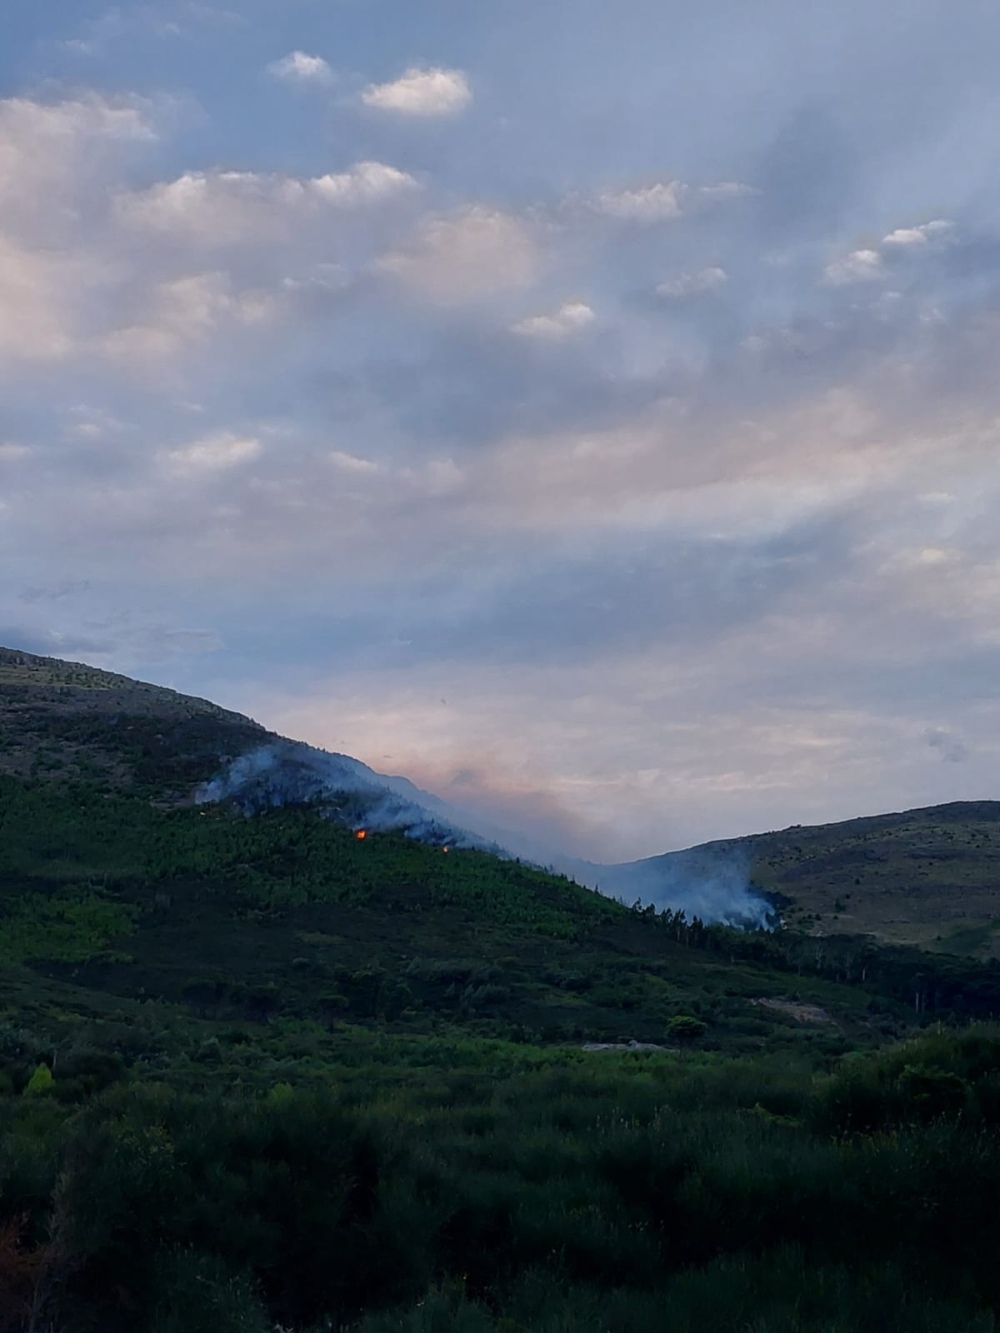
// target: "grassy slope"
[[65, 720], [927, 877]]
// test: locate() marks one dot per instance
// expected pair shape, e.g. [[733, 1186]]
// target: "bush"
[[40, 1083], [685, 1029]]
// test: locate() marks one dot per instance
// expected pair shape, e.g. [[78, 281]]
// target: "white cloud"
[[664, 200], [570, 318], [858, 266], [693, 284], [226, 207], [467, 255], [54, 159], [421, 92], [725, 190], [301, 68], [46, 147], [213, 453], [10, 452], [344, 462], [652, 203], [36, 311], [917, 236], [186, 311], [28, 127]]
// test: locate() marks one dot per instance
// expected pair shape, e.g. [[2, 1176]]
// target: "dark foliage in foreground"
[[657, 1192]]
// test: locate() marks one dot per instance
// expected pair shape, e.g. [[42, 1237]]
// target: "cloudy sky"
[[589, 410]]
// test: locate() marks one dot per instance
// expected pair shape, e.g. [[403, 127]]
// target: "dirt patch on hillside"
[[802, 1013]]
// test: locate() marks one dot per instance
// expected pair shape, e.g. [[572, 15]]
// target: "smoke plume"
[[292, 773], [711, 882]]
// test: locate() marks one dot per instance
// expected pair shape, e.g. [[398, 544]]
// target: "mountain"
[[157, 846], [929, 877], [259, 1072], [67, 721], [74, 722]]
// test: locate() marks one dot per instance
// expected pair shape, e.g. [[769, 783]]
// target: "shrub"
[[40, 1083]]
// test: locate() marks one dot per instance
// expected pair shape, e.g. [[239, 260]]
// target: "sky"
[[587, 410]]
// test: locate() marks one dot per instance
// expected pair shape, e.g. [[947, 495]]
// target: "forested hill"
[[929, 878]]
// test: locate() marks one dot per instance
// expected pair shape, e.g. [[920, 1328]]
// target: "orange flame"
[[361, 834]]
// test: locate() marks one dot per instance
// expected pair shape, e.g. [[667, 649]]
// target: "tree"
[[685, 1028], [40, 1082]]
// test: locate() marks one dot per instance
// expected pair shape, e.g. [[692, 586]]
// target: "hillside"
[[73, 722], [257, 1072], [928, 877], [265, 904]]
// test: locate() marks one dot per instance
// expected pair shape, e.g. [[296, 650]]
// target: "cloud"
[[37, 292], [229, 207], [421, 93], [917, 236], [183, 312], [213, 453], [345, 462], [54, 161], [571, 317], [463, 256], [56, 592], [869, 265], [693, 284], [664, 201], [301, 68], [858, 266], [41, 142], [652, 203]]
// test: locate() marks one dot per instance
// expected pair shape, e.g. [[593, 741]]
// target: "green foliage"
[[678, 1191], [40, 1083], [685, 1028], [70, 926], [195, 1293], [934, 1077]]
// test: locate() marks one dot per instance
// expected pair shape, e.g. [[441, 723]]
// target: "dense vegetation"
[[509, 1189], [258, 1075]]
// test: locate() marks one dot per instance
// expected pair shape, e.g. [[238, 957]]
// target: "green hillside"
[[927, 877], [260, 1076]]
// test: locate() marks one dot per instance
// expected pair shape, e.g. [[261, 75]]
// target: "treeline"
[[930, 984]]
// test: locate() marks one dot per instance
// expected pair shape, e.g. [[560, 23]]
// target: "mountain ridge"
[[928, 876]]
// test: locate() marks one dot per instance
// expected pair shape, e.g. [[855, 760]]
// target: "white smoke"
[[711, 883], [292, 773]]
